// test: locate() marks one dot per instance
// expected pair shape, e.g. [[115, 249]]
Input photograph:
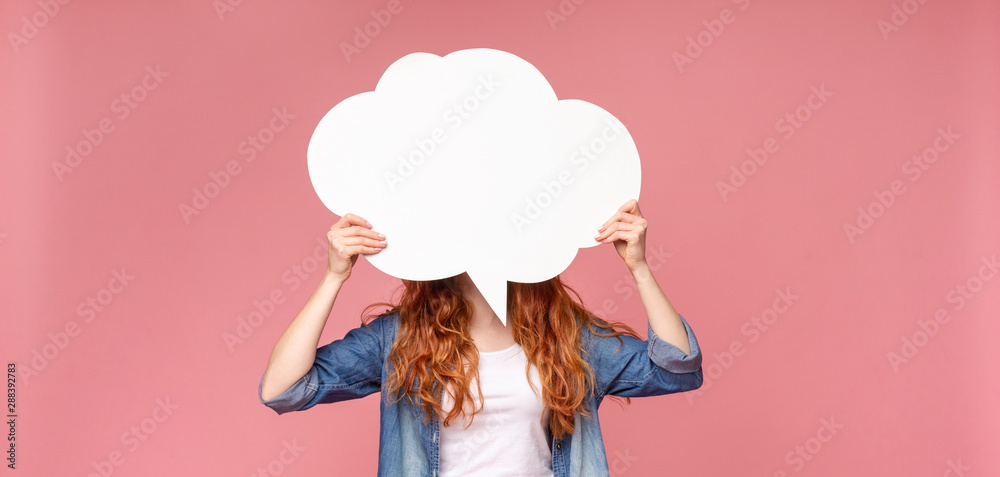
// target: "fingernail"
[[381, 236], [382, 242], [368, 223]]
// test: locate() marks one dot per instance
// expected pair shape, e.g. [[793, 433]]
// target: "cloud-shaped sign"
[[469, 163]]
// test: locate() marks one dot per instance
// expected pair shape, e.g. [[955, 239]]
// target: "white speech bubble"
[[469, 163]]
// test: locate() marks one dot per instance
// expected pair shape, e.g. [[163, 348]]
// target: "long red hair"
[[433, 343]]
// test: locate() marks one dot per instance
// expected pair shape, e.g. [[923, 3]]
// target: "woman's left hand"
[[627, 229]]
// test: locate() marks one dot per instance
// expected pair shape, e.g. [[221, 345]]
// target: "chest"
[[510, 389]]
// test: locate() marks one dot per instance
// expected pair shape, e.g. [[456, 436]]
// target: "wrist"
[[640, 267], [641, 272], [330, 278]]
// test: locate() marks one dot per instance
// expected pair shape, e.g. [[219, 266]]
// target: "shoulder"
[[597, 337], [373, 336], [385, 325], [593, 326]]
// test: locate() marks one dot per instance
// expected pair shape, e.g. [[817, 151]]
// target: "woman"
[[528, 392]]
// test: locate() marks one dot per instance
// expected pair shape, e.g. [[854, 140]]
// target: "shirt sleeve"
[[348, 368], [650, 367]]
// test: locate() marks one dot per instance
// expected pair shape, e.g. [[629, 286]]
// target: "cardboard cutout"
[[469, 163]]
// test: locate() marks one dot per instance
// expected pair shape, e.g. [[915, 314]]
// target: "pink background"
[[824, 360]]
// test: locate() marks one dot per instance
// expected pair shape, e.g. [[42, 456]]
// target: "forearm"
[[663, 318], [294, 353]]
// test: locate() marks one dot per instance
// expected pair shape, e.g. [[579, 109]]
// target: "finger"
[[350, 219], [636, 210], [619, 228], [626, 209], [613, 237], [359, 232], [629, 236], [358, 240], [362, 249], [608, 231], [621, 216], [631, 206], [614, 218]]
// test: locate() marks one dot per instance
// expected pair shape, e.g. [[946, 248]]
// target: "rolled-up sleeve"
[[670, 357], [650, 367], [348, 368], [295, 397]]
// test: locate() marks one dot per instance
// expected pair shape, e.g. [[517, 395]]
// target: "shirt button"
[[559, 445]]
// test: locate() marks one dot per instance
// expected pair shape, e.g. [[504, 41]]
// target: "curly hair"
[[433, 343]]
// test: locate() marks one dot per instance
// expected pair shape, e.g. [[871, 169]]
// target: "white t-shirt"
[[507, 437]]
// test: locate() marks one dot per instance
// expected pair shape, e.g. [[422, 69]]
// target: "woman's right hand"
[[350, 236]]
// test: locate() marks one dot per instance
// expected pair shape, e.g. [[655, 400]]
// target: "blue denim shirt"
[[355, 366]]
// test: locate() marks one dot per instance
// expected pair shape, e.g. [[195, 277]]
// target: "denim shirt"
[[355, 366]]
